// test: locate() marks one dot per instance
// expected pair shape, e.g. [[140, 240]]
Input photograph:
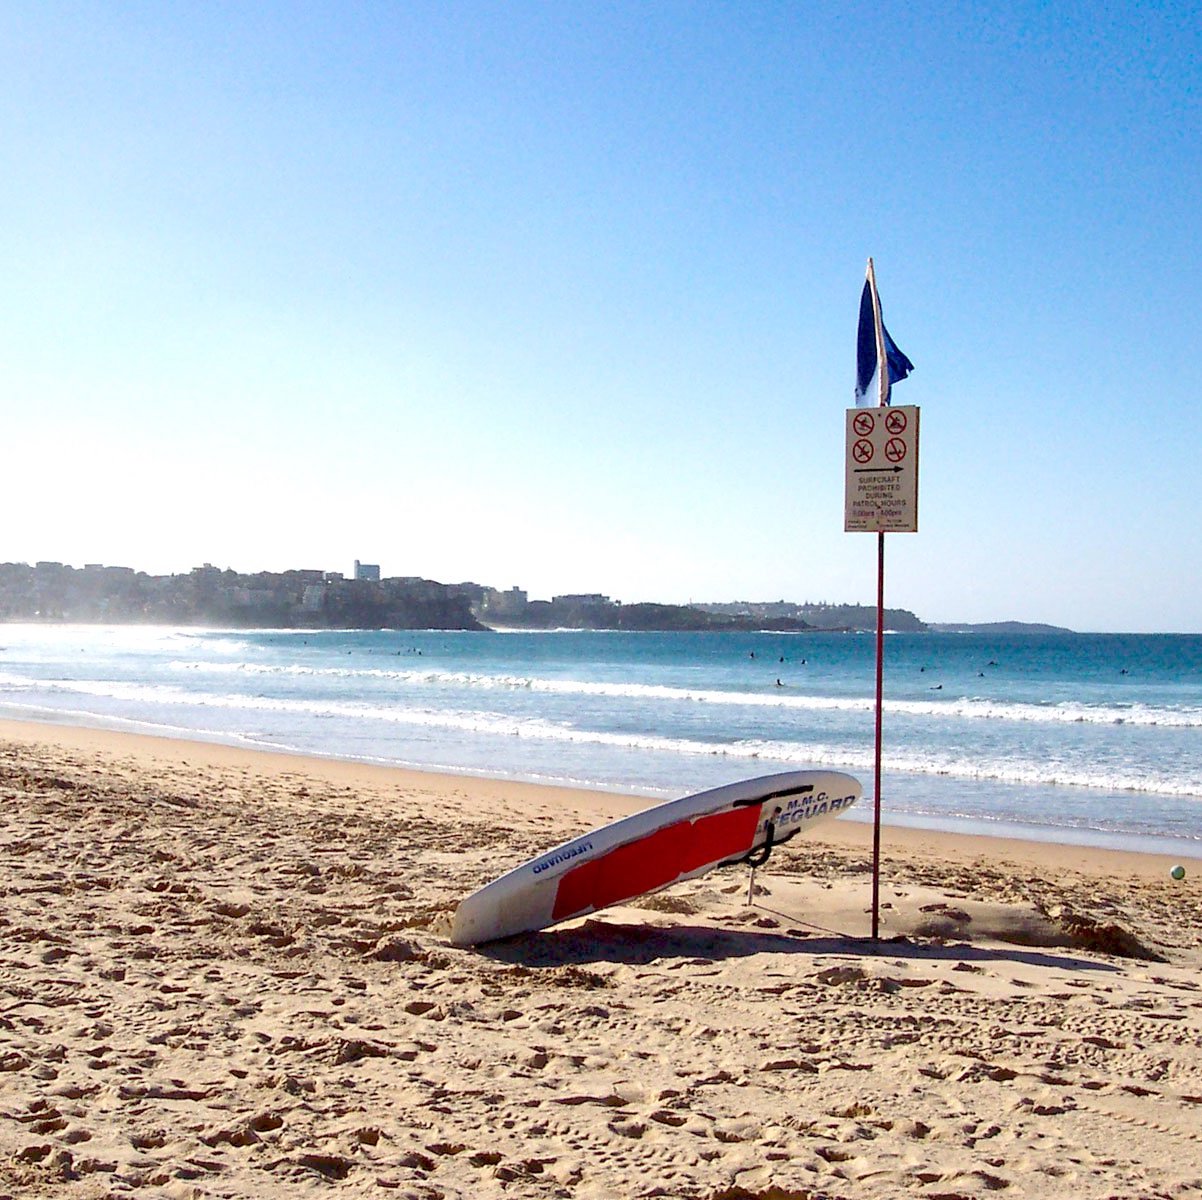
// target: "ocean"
[[1091, 739]]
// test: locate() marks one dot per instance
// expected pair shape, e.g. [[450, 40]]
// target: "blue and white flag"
[[872, 344]]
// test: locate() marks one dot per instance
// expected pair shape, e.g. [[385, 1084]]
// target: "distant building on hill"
[[369, 571]]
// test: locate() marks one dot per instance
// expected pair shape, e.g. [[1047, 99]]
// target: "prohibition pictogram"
[[863, 423], [895, 422], [862, 452], [895, 450]]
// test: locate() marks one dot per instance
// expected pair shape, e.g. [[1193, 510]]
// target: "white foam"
[[1033, 771], [972, 708]]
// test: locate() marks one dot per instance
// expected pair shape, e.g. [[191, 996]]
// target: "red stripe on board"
[[575, 890], [656, 860], [720, 836]]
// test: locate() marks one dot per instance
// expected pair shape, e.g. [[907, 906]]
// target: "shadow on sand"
[[641, 945]]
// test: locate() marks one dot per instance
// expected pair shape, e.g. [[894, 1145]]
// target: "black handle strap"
[[757, 858]]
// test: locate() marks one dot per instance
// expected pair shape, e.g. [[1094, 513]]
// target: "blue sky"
[[563, 295]]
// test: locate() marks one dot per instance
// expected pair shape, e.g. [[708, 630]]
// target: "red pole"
[[880, 701]]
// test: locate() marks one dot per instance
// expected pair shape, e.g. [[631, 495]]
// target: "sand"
[[225, 973]]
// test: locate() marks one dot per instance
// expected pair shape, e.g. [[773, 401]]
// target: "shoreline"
[[608, 805], [589, 804], [1063, 781], [226, 972]]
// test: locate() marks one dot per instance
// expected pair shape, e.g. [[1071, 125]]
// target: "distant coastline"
[[319, 599], [998, 627]]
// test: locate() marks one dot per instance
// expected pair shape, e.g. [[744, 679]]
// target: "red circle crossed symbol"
[[895, 450], [863, 423], [862, 452], [895, 422]]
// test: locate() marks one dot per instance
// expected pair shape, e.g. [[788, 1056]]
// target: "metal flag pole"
[[880, 705], [879, 498], [883, 402]]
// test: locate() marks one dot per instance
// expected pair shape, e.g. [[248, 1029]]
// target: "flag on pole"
[[874, 346]]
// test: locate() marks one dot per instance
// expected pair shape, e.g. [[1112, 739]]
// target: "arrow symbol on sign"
[[878, 470]]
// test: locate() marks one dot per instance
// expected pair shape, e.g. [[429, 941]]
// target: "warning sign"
[[881, 470]]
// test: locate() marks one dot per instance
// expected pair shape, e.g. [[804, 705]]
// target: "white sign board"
[[881, 480]]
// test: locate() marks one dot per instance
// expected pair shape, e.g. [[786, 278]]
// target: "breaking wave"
[[972, 708], [144, 699]]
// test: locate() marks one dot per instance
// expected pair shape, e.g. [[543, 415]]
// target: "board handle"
[[757, 858]]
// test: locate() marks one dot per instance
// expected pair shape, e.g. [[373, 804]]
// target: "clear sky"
[[563, 294]]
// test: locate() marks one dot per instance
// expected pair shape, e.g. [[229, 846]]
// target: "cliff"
[[209, 596], [315, 599]]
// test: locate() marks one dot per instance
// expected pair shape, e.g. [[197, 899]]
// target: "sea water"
[[1094, 739]]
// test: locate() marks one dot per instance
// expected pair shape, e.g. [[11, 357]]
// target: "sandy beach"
[[225, 973]]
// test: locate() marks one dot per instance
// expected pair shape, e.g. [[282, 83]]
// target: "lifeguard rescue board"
[[650, 850]]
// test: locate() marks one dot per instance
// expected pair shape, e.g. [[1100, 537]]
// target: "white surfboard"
[[650, 850]]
